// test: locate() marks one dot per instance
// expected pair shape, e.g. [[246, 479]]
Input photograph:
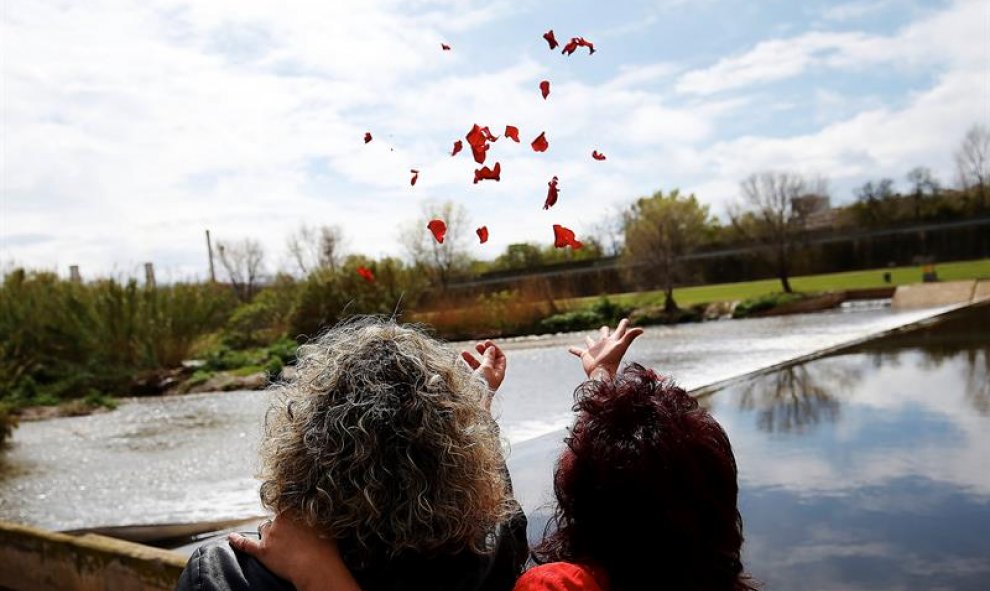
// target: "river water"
[[192, 458]]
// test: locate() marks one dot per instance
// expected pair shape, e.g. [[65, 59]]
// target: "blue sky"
[[130, 127]]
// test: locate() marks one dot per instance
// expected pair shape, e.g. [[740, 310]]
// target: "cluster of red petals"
[[487, 174], [551, 40], [540, 144], [576, 42], [512, 132], [552, 193], [478, 139], [415, 176], [367, 137], [597, 155], [444, 47], [545, 89], [458, 144], [438, 228], [482, 234], [366, 274], [565, 237]]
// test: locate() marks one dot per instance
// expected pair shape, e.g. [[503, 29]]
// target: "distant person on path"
[[384, 443], [646, 493]]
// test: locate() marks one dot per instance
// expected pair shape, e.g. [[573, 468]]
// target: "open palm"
[[601, 357]]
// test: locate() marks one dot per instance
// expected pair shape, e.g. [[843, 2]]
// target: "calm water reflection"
[[870, 469]]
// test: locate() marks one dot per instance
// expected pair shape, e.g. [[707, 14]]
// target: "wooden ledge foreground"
[[33, 559]]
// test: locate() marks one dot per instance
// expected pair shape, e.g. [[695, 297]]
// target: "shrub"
[[571, 321], [763, 303]]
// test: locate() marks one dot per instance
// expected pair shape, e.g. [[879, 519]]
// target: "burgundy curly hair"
[[646, 489]]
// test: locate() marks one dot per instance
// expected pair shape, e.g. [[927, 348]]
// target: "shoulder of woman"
[[557, 576]]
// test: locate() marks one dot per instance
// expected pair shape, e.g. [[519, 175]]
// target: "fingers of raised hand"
[[631, 335], [604, 330], [576, 351], [589, 341], [621, 328], [470, 360]]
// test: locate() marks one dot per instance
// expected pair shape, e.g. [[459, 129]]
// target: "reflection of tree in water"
[[978, 379], [794, 398]]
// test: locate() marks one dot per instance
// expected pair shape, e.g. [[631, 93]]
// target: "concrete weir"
[[33, 559]]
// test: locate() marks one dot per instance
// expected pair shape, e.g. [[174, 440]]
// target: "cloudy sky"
[[130, 127]]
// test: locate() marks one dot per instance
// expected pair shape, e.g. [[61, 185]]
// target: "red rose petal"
[[415, 176], [367, 137], [488, 134], [563, 237], [438, 228], [552, 194], [477, 138], [512, 132], [444, 47], [576, 42], [551, 40], [545, 89], [366, 273], [597, 155], [490, 174], [482, 234], [540, 144], [458, 144]]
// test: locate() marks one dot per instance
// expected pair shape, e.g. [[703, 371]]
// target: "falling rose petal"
[[597, 155], [478, 140], [367, 137], [545, 89], [366, 273], [563, 237], [552, 194], [415, 176], [487, 174], [488, 134], [512, 132], [540, 144], [551, 40], [479, 153], [438, 228], [482, 234], [458, 144], [444, 47], [576, 42]]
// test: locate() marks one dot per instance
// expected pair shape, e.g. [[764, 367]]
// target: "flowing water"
[[865, 469], [191, 458]]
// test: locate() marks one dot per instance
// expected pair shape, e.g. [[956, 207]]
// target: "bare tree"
[[767, 215], [244, 263], [444, 261], [973, 163], [659, 231], [875, 201], [923, 185], [609, 231], [316, 247]]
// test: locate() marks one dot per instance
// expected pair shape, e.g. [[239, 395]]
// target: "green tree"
[[659, 231]]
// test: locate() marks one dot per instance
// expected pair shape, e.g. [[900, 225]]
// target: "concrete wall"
[[32, 559], [931, 295]]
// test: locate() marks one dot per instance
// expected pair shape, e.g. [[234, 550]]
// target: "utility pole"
[[149, 275], [209, 250]]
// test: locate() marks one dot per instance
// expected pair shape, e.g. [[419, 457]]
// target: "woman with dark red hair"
[[646, 487], [646, 492]]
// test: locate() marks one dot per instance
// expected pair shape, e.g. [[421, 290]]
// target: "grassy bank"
[[691, 296]]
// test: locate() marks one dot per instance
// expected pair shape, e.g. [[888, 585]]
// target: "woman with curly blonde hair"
[[383, 445]]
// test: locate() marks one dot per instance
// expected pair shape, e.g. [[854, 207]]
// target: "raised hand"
[[601, 357], [491, 366]]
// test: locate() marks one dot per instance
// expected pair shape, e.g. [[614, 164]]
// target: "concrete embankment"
[[33, 559], [932, 295]]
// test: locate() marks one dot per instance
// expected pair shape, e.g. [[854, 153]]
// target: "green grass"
[[688, 296]]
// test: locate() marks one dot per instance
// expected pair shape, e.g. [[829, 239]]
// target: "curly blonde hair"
[[381, 441]]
